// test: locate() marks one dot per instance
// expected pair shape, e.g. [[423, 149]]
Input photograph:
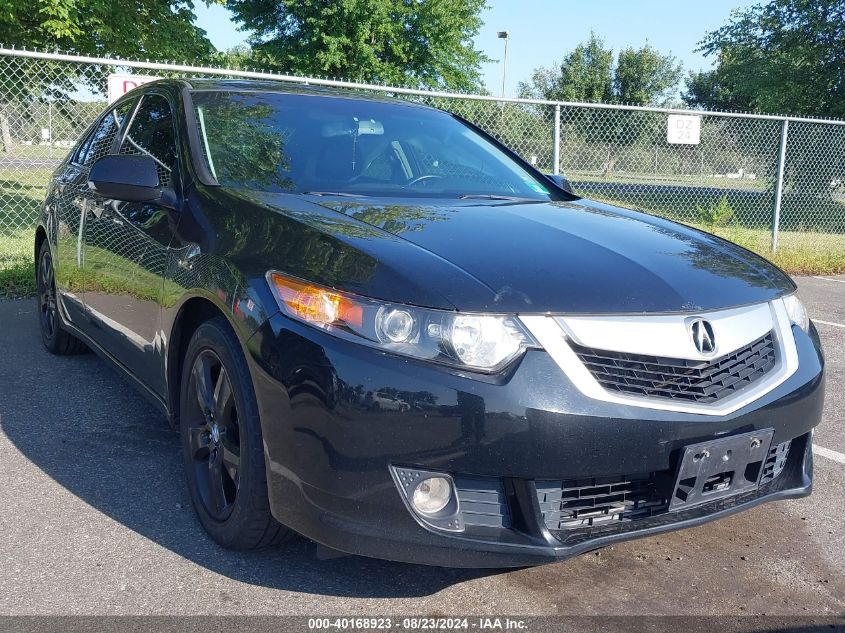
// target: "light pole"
[[504, 35]]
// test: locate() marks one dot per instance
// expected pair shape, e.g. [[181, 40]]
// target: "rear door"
[[126, 249]]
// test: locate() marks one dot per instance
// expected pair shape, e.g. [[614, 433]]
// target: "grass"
[[798, 252], [17, 270], [683, 180], [21, 193]]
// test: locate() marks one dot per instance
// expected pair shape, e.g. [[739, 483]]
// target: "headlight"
[[482, 342], [797, 312]]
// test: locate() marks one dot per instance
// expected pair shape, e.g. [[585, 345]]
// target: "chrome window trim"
[[657, 334]]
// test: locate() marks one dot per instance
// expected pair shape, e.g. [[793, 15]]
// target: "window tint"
[[291, 142], [151, 134], [100, 141]]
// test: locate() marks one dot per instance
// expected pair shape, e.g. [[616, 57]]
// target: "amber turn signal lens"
[[315, 304]]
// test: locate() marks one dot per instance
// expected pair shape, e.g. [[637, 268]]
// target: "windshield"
[[332, 145]]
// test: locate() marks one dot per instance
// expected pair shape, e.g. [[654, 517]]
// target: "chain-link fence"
[[771, 176]]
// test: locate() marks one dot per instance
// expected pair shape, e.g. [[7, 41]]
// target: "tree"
[[588, 74], [584, 75], [787, 56], [132, 28], [242, 57], [640, 76], [711, 90], [645, 77], [427, 44]]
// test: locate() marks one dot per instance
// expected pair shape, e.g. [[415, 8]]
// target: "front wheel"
[[221, 441]]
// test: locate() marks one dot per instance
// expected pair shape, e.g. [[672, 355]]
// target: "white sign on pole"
[[683, 129], [121, 84]]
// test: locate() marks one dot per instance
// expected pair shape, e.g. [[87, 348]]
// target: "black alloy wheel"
[[222, 443], [47, 306], [214, 435]]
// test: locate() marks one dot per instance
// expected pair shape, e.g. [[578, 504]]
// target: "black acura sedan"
[[376, 326]]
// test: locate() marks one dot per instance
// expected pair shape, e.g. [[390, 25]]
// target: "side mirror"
[[126, 177], [561, 182]]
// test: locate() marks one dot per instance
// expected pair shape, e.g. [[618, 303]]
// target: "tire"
[[221, 441], [56, 339]]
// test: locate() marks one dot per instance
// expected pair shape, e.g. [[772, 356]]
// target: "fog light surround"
[[430, 497]]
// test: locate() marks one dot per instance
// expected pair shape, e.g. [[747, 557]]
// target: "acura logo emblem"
[[702, 336]]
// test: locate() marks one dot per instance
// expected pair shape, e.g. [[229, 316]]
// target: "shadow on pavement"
[[89, 430]]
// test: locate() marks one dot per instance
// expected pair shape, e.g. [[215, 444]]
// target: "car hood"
[[579, 257], [575, 257]]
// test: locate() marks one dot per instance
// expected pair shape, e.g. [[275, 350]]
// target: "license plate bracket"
[[720, 468]]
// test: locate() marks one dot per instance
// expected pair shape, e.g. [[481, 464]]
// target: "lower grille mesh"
[[587, 502], [483, 502], [775, 462], [680, 379]]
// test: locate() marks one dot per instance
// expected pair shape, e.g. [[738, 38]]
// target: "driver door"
[[126, 250]]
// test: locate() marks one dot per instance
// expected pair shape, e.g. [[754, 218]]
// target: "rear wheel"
[[221, 441], [55, 338]]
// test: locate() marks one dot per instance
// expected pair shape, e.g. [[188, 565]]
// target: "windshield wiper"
[[488, 196], [333, 193]]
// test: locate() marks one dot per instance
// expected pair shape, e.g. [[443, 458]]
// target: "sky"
[[542, 32]]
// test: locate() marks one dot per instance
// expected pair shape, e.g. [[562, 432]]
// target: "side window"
[[151, 134], [100, 141]]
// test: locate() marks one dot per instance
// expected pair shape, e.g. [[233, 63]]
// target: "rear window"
[[308, 143]]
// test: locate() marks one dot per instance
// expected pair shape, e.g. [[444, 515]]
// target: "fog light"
[[431, 495]]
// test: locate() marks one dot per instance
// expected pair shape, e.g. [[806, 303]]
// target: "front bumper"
[[329, 450]]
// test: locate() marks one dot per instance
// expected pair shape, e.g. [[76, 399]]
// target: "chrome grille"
[[680, 379]]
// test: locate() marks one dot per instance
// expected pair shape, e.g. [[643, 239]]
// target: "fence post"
[[556, 158], [784, 134]]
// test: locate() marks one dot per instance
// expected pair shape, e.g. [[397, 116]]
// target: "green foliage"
[[426, 44], [134, 28], [587, 74], [719, 214], [786, 56], [710, 89], [645, 76], [242, 57]]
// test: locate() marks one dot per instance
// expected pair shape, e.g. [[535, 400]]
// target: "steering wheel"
[[423, 178]]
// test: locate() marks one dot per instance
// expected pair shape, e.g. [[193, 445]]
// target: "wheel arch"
[[40, 238], [191, 313]]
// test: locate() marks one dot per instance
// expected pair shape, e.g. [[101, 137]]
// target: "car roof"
[[261, 85]]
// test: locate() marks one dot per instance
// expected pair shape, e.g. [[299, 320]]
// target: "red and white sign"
[[119, 85]]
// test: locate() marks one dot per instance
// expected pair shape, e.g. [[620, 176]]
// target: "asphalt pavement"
[[96, 520]]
